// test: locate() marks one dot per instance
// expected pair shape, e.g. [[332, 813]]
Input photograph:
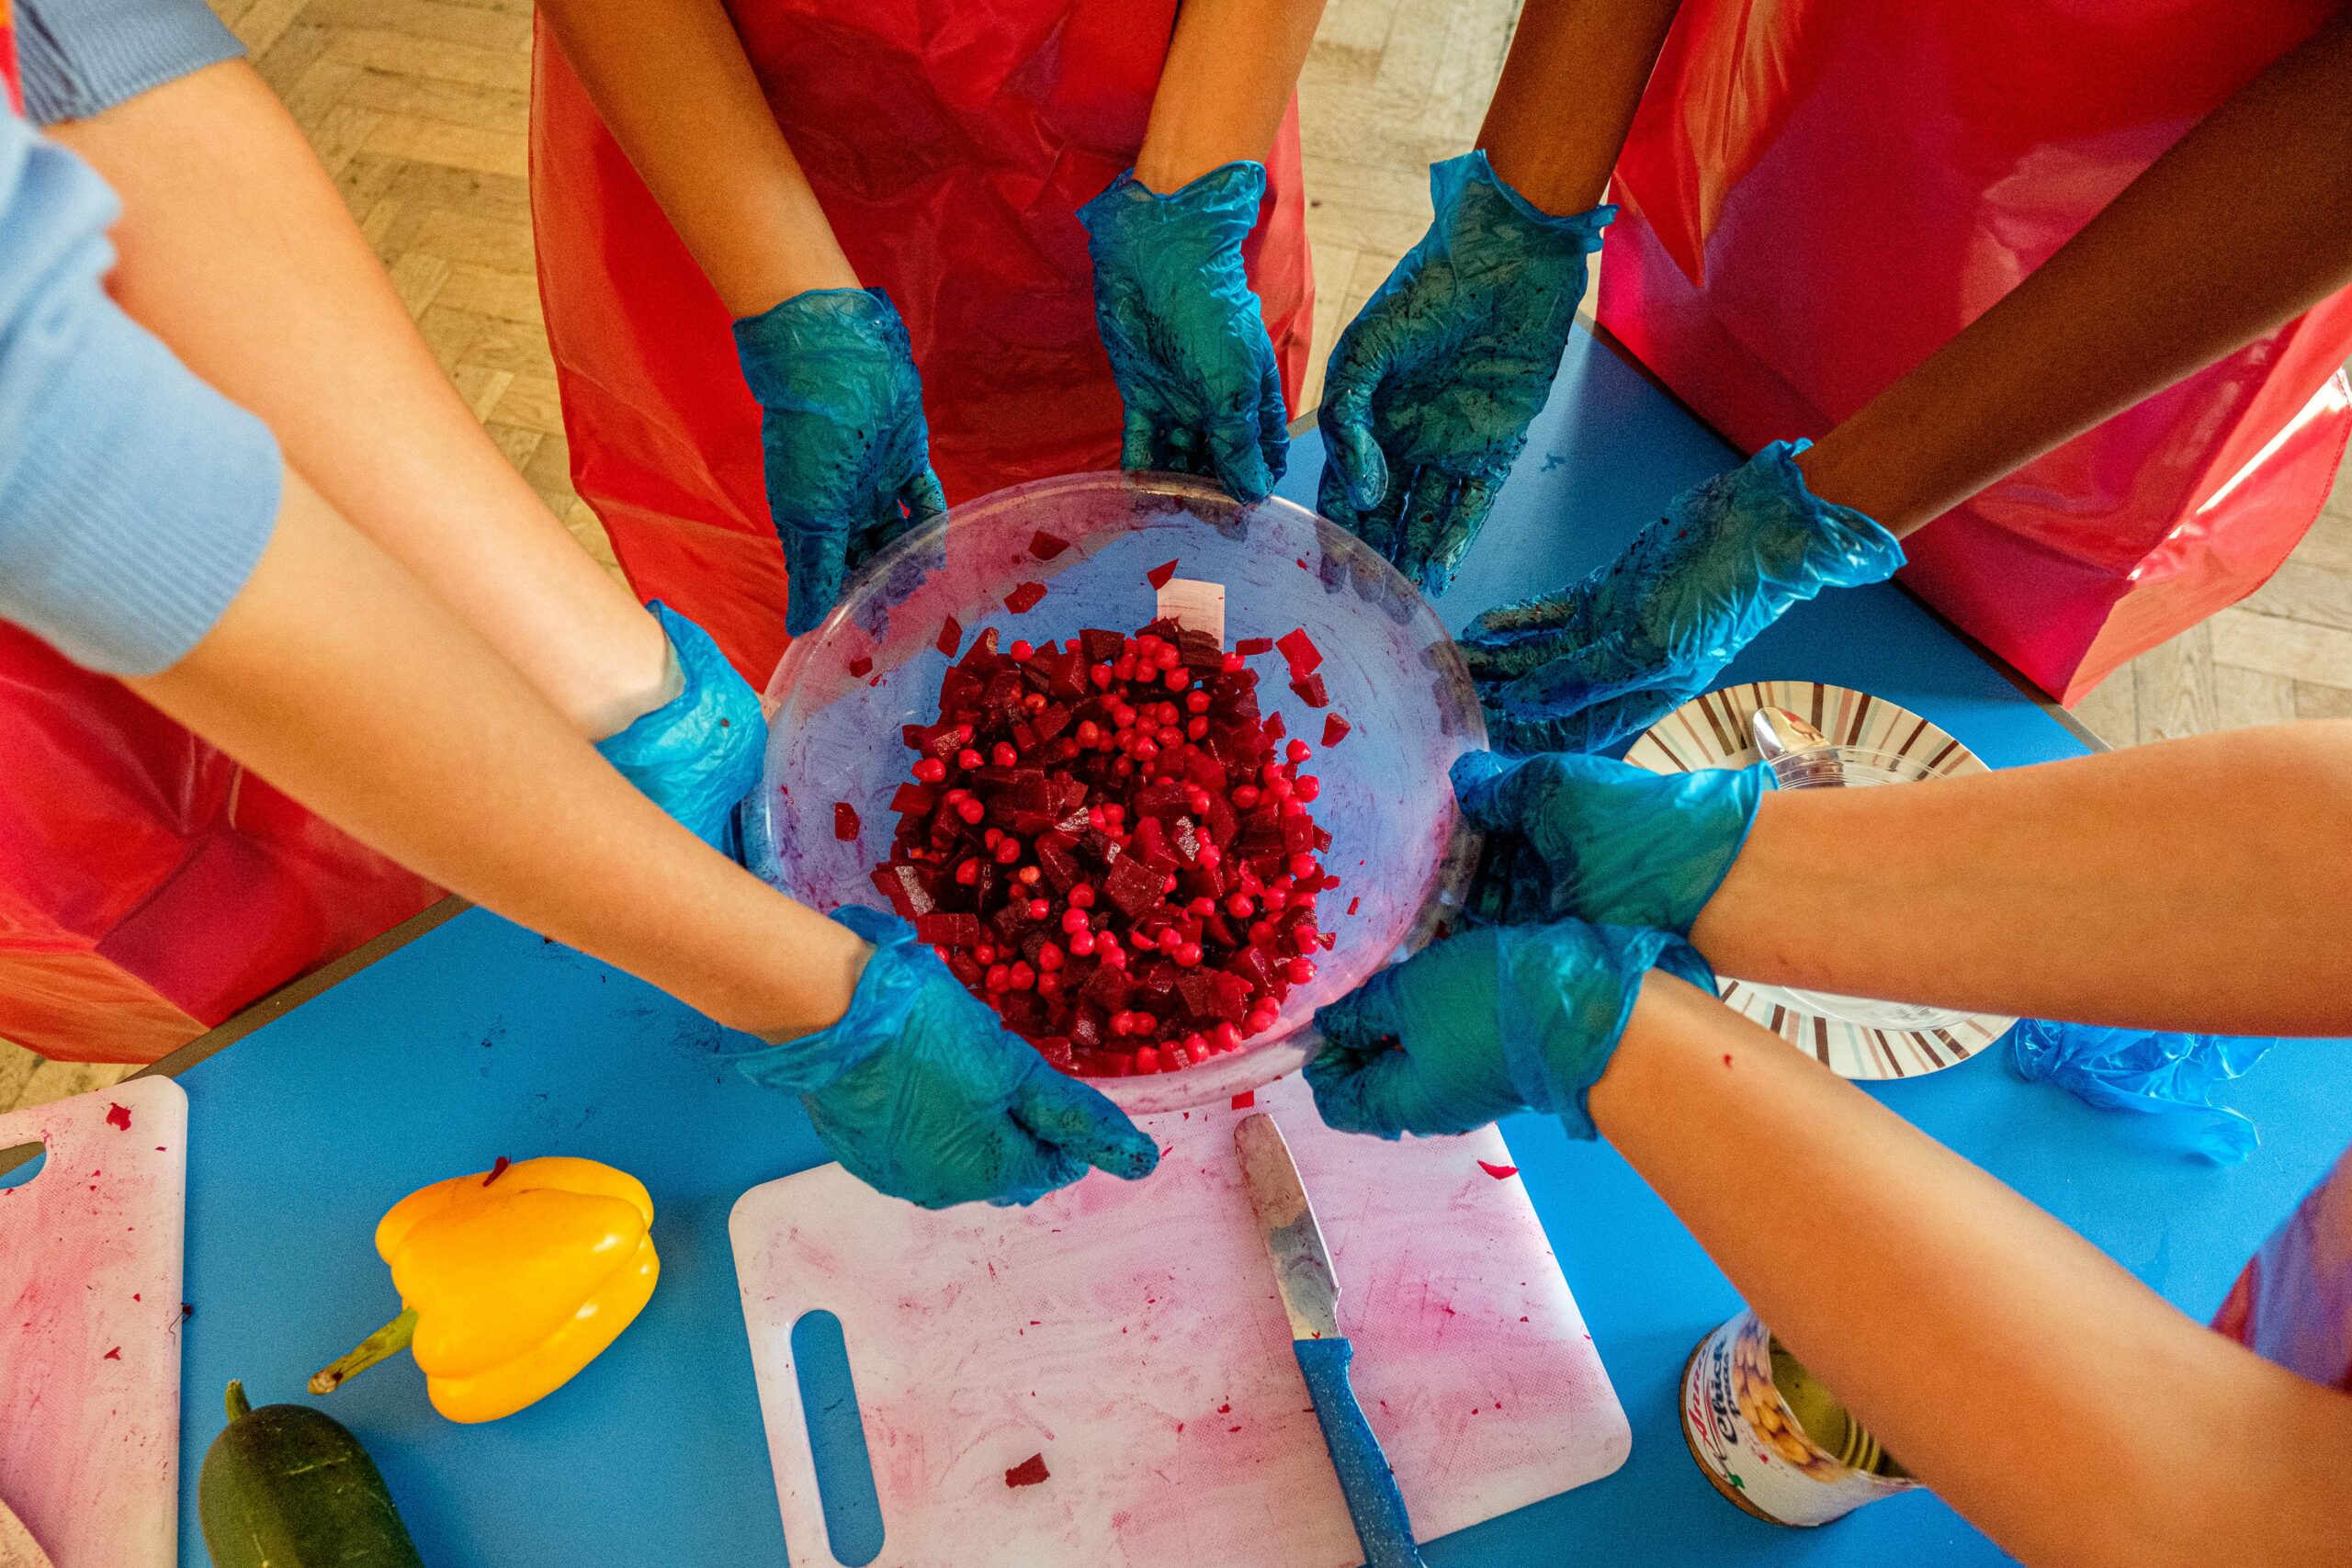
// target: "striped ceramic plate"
[[1711, 731]]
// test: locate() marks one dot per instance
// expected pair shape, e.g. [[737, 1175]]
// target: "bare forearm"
[[2199, 884], [1569, 88], [334, 675], [1230, 73], [691, 118], [1988, 1346], [2244, 224], [236, 251]]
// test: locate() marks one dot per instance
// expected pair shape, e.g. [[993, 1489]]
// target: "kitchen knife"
[[1311, 1295]]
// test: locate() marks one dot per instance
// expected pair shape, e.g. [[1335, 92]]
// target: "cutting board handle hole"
[[836, 1440], [20, 1163]]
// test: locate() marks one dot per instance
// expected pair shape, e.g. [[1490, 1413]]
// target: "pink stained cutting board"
[[1131, 1335], [90, 1325]]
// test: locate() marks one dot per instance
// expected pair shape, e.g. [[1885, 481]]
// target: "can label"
[[1748, 1442]]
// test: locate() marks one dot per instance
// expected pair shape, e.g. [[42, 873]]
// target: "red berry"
[[1307, 788], [969, 758], [1039, 909], [1073, 920], [1298, 750], [1082, 896], [1187, 956], [1000, 977], [1238, 906], [1049, 957], [1022, 651], [931, 770], [1245, 797], [1299, 971], [967, 872], [1008, 850], [1004, 755], [1024, 976], [1081, 942]]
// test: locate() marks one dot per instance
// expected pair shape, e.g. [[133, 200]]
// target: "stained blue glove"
[[848, 456], [918, 1091], [1608, 842], [697, 755], [1427, 401], [1482, 1024], [1579, 670], [1186, 337], [2173, 1077]]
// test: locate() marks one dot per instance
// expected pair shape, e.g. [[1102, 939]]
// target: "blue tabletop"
[[478, 1039]]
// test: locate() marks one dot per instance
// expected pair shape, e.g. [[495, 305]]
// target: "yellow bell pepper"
[[512, 1280]]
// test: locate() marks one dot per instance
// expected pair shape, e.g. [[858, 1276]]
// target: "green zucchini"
[[286, 1486]]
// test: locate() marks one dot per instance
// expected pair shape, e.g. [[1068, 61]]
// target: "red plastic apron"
[[951, 147], [1819, 193], [149, 886]]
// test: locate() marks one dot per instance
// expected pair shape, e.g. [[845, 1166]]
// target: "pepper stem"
[[389, 1340], [239, 1405]]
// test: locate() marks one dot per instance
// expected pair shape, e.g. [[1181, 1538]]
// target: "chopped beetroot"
[[1299, 651], [497, 1169], [118, 1117], [1310, 689], [1245, 1100], [845, 823], [1028, 1473], [1100, 840], [1045, 546], [860, 667], [1158, 576], [1275, 728], [1335, 729], [951, 635], [1251, 647], [1500, 1172], [1352, 905], [1024, 598]]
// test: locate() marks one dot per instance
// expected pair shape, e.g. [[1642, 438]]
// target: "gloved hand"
[[918, 1091], [697, 755], [1430, 392], [1187, 340], [1509, 1018], [1579, 670], [1608, 843], [848, 457]]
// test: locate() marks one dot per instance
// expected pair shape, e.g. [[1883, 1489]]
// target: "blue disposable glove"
[[1604, 842], [1182, 327], [848, 457], [1430, 392], [697, 755], [1508, 1017], [1584, 668], [920, 1092]]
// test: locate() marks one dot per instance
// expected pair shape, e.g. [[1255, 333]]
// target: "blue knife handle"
[[1369, 1485]]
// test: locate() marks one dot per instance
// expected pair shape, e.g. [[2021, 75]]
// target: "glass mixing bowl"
[[1389, 668]]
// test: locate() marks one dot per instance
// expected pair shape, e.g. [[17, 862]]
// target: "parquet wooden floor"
[[419, 108]]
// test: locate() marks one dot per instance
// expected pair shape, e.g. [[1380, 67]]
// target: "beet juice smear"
[[1112, 848]]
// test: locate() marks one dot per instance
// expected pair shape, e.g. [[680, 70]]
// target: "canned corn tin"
[[1755, 1447]]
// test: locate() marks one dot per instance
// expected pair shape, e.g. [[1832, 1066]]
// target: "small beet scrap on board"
[[1102, 838]]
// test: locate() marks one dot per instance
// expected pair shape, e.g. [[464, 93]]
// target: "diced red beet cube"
[[1335, 729], [1101, 647], [912, 798], [1132, 885], [1024, 598], [860, 667], [1158, 576], [1311, 691], [1353, 904], [1045, 546], [1299, 651], [948, 931], [1275, 728], [1251, 647], [951, 635], [846, 822]]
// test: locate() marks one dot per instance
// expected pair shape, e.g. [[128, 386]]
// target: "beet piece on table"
[[1310, 689], [1101, 647], [860, 667], [846, 822], [951, 635], [1024, 598], [1335, 729], [1251, 647], [1133, 887], [1045, 546], [1158, 576]]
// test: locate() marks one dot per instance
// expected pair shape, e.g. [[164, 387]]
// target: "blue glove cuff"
[[697, 755], [1228, 196], [1577, 233], [879, 1009], [1806, 543], [1546, 987], [783, 349]]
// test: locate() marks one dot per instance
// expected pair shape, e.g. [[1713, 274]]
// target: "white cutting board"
[[90, 1325], [1131, 1335]]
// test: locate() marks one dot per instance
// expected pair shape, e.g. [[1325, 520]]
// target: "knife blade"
[[1310, 1293]]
